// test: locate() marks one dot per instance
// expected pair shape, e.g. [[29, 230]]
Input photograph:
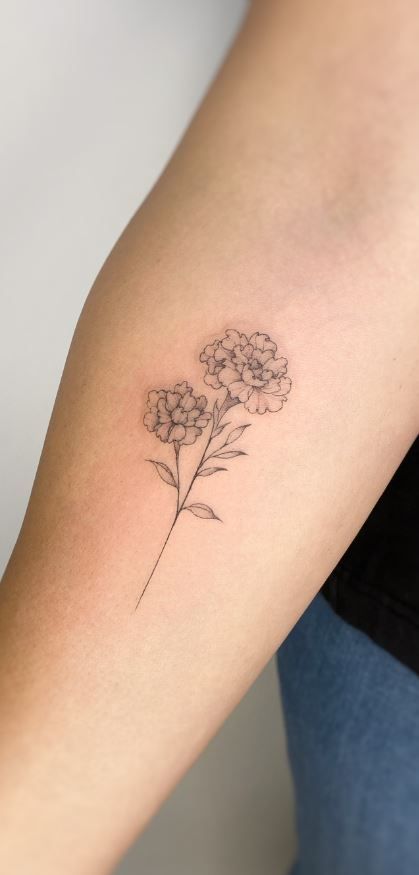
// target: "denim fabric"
[[352, 718], [375, 586]]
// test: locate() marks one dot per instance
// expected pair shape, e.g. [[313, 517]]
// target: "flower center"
[[179, 416], [256, 368]]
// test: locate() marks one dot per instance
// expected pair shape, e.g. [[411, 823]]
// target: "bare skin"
[[290, 208]]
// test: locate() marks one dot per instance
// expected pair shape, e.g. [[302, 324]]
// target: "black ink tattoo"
[[247, 371]]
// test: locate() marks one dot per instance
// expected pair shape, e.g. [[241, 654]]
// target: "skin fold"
[[290, 208]]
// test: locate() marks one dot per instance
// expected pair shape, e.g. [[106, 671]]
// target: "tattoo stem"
[[158, 559], [227, 403], [177, 449]]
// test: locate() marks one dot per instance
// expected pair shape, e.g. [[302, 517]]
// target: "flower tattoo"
[[247, 371], [176, 415]]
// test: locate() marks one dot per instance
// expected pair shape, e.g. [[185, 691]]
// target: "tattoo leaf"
[[219, 429], [236, 433], [164, 472], [202, 511], [229, 454], [206, 472]]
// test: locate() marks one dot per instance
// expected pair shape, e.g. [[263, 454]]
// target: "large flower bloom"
[[176, 414], [248, 369]]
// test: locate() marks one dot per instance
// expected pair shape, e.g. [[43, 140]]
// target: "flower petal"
[[154, 395], [188, 402], [228, 375], [172, 400], [262, 341], [249, 378], [268, 362], [274, 402], [221, 354], [239, 390], [231, 339], [239, 358], [278, 366], [164, 416], [207, 352], [183, 388], [252, 402], [203, 420], [263, 356], [151, 420], [285, 385], [262, 403], [213, 366], [272, 385], [201, 402], [163, 431], [177, 433], [212, 380], [191, 434], [179, 416]]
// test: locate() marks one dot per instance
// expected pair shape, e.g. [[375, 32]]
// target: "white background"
[[94, 97]]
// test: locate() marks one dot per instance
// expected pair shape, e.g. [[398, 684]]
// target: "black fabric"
[[375, 586]]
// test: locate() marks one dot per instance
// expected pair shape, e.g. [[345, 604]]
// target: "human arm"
[[271, 217]]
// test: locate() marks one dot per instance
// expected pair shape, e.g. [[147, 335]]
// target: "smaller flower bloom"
[[176, 414]]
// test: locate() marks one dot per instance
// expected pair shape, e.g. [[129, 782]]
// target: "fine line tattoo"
[[246, 371]]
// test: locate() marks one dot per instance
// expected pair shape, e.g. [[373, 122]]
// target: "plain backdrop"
[[94, 97]]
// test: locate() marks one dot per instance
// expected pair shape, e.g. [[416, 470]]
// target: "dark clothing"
[[375, 586]]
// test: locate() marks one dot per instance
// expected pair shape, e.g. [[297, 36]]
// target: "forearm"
[[252, 227]]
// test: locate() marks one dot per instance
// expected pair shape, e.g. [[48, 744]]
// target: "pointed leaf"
[[228, 454], [206, 472], [236, 433], [202, 511], [216, 413], [163, 471], [219, 429]]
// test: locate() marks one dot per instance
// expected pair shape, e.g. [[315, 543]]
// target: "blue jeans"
[[352, 718]]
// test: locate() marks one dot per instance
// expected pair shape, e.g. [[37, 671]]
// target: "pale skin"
[[291, 207]]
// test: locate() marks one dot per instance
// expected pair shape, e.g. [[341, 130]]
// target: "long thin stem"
[[180, 505], [177, 450], [158, 559], [176, 447]]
